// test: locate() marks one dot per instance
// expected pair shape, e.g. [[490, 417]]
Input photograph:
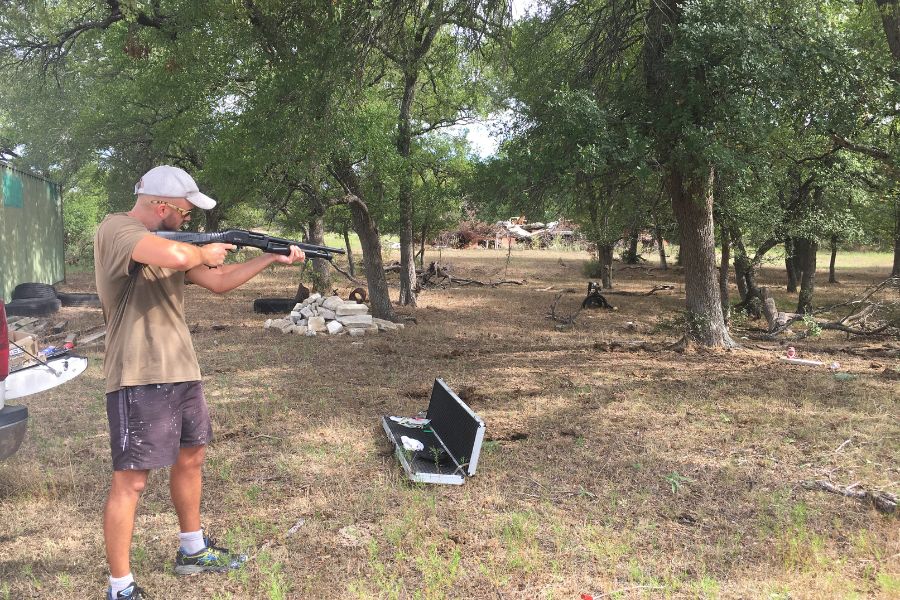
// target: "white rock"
[[334, 327], [300, 329], [328, 314], [314, 298], [307, 311], [383, 324], [332, 302], [316, 323], [355, 319], [267, 324], [310, 333], [356, 332], [295, 313], [351, 308], [289, 328], [298, 306]]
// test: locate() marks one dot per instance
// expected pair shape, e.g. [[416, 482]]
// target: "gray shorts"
[[148, 424]]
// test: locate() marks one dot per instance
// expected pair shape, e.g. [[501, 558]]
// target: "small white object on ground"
[[803, 361], [411, 444]]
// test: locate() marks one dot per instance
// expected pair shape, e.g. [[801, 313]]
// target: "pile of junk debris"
[[512, 232], [537, 234]]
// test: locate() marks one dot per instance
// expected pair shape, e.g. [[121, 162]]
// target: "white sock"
[[117, 584], [192, 542]]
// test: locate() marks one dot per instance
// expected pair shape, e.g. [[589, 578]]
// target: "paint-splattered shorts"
[[148, 424]]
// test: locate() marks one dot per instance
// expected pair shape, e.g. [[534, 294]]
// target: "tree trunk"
[[404, 142], [790, 264], [370, 239], [351, 267], [723, 272], [212, 218], [631, 254], [745, 275], [421, 253], [806, 260], [890, 20], [605, 258], [690, 187], [600, 230], [692, 203], [895, 272], [831, 274], [321, 270], [660, 242]]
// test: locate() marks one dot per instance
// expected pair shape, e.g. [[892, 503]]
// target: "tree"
[[434, 39]]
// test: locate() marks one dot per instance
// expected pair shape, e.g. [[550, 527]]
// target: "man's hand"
[[214, 254], [296, 255]]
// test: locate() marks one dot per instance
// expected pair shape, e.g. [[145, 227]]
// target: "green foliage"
[[813, 329]]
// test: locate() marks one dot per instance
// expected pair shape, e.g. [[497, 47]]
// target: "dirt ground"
[[616, 473]]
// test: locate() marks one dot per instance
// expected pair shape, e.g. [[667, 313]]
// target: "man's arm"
[[228, 277], [159, 252]]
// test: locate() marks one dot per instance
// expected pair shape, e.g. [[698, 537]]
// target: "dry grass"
[[655, 474]]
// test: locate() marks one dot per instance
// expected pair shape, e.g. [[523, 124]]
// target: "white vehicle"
[[39, 377]]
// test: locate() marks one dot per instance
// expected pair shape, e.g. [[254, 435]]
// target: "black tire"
[[26, 291], [274, 305], [79, 299], [33, 307]]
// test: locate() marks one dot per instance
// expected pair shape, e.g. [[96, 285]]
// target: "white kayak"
[[42, 377]]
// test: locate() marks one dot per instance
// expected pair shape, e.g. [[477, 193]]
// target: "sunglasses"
[[184, 212]]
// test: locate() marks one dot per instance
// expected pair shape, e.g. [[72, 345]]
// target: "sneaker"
[[212, 559], [132, 592]]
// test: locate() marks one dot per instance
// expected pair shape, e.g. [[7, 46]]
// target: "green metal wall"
[[31, 231]]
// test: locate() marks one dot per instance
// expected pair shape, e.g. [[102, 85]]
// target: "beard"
[[170, 223]]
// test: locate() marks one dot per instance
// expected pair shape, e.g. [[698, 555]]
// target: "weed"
[[801, 549], [605, 546], [676, 480], [253, 492], [379, 582], [707, 587], [490, 447], [517, 535], [438, 571], [139, 557], [890, 584], [812, 327], [275, 583]]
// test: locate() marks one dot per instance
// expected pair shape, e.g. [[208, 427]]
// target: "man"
[[157, 413]]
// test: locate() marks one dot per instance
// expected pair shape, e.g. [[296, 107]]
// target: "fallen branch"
[[564, 321], [627, 346], [655, 289], [882, 501]]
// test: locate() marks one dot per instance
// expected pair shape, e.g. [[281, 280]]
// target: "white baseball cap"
[[172, 182]]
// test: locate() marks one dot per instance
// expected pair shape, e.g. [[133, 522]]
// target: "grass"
[[631, 474]]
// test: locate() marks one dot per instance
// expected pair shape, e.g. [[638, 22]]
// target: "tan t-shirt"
[[147, 338]]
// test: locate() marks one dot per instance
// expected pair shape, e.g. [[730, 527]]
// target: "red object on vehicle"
[[4, 343]]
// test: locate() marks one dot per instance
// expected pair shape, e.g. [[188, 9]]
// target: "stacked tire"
[[73, 299], [33, 300]]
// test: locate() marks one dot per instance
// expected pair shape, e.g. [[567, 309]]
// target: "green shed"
[[32, 247]]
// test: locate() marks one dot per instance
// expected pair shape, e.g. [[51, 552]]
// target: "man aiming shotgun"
[[155, 406], [252, 239]]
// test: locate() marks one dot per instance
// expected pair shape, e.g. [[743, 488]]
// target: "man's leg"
[[118, 518], [185, 486]]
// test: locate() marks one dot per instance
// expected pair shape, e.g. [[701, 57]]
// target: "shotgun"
[[242, 238]]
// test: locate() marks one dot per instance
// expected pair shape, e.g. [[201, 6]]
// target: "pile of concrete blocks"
[[318, 315]]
